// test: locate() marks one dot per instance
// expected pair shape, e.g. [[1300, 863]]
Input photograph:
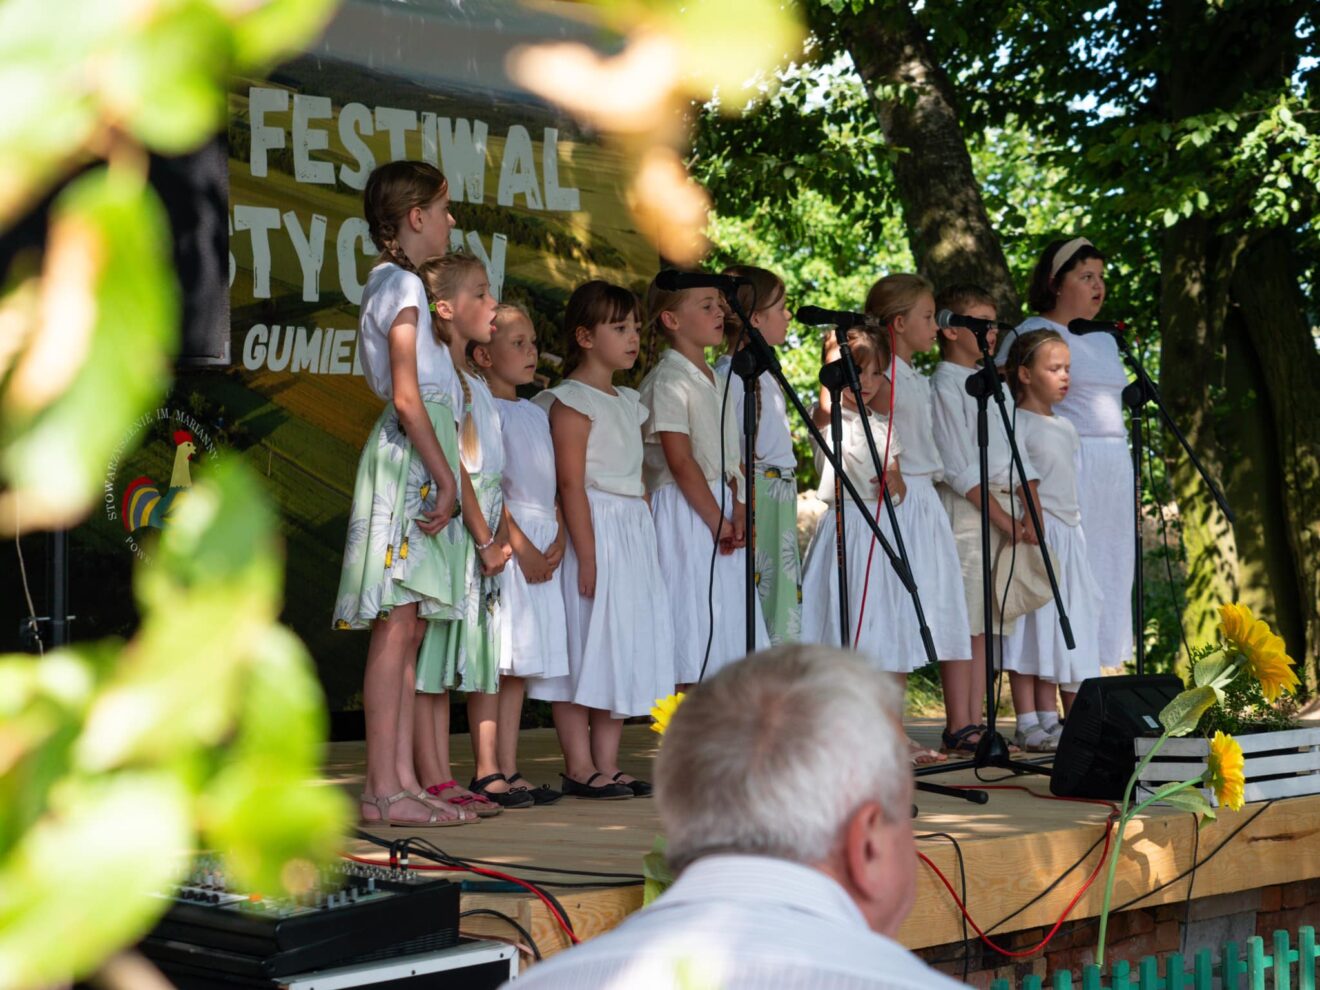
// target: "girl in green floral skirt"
[[778, 564], [398, 576]]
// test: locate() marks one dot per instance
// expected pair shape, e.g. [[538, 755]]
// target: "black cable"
[[527, 936], [1191, 882], [962, 883]]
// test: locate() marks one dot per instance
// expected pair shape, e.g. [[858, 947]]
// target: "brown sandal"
[[385, 821]]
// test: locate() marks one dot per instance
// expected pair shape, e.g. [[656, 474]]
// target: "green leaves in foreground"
[[203, 732], [1180, 715]]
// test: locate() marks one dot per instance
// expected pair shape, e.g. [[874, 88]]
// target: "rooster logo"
[[144, 503]]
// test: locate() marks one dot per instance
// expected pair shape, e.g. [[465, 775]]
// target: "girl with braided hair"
[[398, 577]]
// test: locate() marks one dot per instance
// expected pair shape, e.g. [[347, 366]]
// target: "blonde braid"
[[469, 443], [756, 387]]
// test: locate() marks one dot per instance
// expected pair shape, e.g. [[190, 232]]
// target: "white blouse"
[[857, 462], [529, 455], [774, 439], [1053, 444], [1094, 401], [614, 446], [388, 291], [954, 415], [681, 399], [912, 422]]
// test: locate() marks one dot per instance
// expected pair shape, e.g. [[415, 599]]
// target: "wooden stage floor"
[[1014, 847]]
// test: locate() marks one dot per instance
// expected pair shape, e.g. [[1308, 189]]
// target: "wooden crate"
[[1277, 764]]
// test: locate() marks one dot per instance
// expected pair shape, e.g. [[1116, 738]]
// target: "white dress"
[[534, 641], [620, 642], [681, 399], [889, 637], [924, 525], [1094, 405], [1037, 645]]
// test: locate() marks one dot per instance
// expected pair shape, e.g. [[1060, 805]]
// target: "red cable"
[[884, 479], [1109, 830], [480, 871]]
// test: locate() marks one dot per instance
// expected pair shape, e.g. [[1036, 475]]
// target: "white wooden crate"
[[1276, 764]]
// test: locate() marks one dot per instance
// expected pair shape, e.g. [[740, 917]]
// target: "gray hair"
[[773, 754]]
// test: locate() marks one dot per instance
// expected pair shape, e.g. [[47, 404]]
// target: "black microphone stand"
[[1135, 396], [832, 378], [992, 749], [756, 357]]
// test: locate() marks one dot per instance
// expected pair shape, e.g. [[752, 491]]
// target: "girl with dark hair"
[[1068, 284]]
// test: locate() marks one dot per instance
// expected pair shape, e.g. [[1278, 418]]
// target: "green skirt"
[[778, 564], [466, 652], [388, 561]]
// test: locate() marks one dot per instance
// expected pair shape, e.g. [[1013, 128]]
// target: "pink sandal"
[[482, 807]]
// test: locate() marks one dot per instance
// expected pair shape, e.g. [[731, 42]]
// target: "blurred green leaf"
[[266, 32], [90, 869], [1180, 715], [108, 323], [1191, 800]]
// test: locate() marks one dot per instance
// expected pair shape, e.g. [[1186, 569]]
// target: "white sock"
[[1026, 722], [1048, 720]]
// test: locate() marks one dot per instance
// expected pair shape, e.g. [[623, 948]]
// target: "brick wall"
[[1208, 922]]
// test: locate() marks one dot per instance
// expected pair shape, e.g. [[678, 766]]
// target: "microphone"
[[1083, 327], [948, 318], [816, 316], [673, 280]]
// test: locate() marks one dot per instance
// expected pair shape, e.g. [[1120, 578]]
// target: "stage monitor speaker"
[[1095, 756]]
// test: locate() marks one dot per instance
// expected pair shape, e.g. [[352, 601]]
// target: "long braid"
[[469, 443]]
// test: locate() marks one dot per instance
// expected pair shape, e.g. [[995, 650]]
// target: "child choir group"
[[586, 547]]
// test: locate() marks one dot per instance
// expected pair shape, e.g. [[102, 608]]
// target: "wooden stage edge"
[[1014, 847]]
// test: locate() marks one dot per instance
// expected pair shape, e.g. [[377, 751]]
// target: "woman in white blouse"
[[1068, 284]]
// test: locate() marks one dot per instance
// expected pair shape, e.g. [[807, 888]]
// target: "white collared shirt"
[[741, 923], [954, 418], [774, 438], [912, 410], [682, 399]]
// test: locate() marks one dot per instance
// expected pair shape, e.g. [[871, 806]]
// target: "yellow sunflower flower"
[[1266, 655], [663, 711], [1224, 775]]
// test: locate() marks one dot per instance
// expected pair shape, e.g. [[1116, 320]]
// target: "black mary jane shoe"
[[639, 788], [511, 799], [599, 792], [540, 793]]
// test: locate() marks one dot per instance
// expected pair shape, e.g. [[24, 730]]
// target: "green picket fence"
[[1287, 969]]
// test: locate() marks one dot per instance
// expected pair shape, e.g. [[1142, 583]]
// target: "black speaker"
[[1095, 756]]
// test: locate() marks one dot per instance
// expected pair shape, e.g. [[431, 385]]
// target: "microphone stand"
[[758, 356], [832, 377], [1135, 396], [992, 749]]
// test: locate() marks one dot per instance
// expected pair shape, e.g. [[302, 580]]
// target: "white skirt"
[[933, 554], [889, 638], [685, 548], [1104, 488], [621, 642], [1036, 646], [534, 640]]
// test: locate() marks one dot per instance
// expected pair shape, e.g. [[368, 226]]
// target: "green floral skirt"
[[778, 564], [466, 652], [388, 561]]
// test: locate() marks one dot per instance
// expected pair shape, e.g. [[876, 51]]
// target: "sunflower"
[[663, 711], [1224, 771], [1265, 653]]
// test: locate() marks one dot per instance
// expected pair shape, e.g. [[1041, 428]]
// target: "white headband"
[[1062, 256]]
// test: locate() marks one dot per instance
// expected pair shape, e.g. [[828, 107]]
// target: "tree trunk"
[[948, 228]]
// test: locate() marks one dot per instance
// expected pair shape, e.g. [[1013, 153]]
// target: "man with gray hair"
[[784, 785]]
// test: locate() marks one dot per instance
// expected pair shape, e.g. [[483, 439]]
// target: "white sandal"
[[385, 821]]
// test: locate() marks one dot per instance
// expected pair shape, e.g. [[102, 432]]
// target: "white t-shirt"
[[529, 456], [388, 291], [489, 458], [1094, 401], [954, 415], [774, 439], [681, 399], [912, 422], [614, 446], [857, 462], [1053, 443]]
